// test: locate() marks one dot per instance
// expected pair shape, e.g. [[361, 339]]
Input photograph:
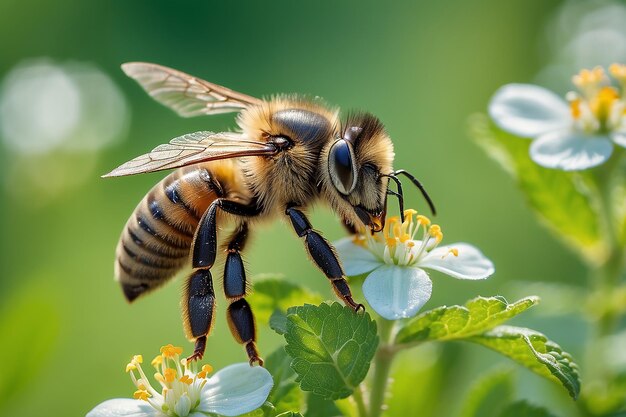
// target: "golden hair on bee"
[[290, 152]]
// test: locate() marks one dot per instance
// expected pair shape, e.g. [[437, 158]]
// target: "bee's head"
[[354, 165], [357, 170]]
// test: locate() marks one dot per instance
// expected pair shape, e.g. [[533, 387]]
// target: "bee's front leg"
[[199, 298], [323, 255]]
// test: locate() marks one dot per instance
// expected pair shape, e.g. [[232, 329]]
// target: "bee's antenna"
[[418, 185], [399, 194]]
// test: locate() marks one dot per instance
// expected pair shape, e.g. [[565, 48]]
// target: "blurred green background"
[[422, 67]]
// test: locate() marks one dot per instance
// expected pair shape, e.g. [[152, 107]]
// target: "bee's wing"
[[185, 94], [193, 148]]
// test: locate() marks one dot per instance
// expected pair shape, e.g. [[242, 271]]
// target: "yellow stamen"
[[409, 212], [158, 360], [589, 78], [410, 244], [186, 379], [453, 251], [618, 71], [141, 394], [574, 107], [602, 102], [137, 359], [169, 374], [423, 220], [435, 232], [159, 377], [169, 351], [405, 237], [131, 367], [391, 242]]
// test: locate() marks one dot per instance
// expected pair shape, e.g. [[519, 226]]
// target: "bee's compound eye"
[[341, 167]]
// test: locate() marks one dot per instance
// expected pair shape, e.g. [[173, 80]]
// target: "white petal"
[[528, 110], [124, 407], [356, 260], [570, 151], [397, 292], [619, 138], [236, 389], [469, 264]]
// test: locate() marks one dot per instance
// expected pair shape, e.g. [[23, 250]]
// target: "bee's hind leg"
[[199, 297], [323, 255], [240, 317]]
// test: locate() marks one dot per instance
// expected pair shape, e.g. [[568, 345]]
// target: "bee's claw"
[[257, 360], [198, 351]]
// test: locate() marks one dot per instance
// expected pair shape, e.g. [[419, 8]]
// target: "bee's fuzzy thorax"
[[289, 177]]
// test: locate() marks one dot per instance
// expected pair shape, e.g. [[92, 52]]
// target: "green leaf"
[[289, 414], [534, 351], [285, 395], [489, 394], [272, 293], [331, 347], [525, 409], [561, 199], [278, 322], [457, 322]]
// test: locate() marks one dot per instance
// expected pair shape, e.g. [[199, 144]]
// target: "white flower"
[[234, 390], [570, 137], [397, 286]]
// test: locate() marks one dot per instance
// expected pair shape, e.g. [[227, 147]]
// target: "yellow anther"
[[405, 237], [589, 78], [435, 232], [391, 241], [574, 107], [618, 71], [137, 359], [141, 395], [453, 251], [159, 377], [141, 387], [434, 229], [186, 379], [409, 212], [169, 374], [603, 101], [131, 367], [423, 220], [410, 244], [207, 368], [169, 351], [158, 360], [183, 362]]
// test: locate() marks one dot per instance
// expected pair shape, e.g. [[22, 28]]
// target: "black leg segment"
[[323, 255], [240, 317], [241, 322], [205, 244], [199, 298], [199, 306]]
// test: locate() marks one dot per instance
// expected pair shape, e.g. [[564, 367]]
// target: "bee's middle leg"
[[323, 255], [199, 297], [240, 317]]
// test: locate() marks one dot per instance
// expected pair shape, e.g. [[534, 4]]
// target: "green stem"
[[382, 366], [357, 395], [608, 273]]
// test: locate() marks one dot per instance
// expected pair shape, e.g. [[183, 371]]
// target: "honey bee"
[[290, 152]]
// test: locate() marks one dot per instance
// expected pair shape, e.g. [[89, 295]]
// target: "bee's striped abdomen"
[[156, 240]]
